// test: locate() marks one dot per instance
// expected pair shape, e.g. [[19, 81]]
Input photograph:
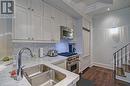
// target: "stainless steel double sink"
[[42, 75]]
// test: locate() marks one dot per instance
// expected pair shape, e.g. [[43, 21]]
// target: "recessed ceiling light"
[[114, 31], [108, 9]]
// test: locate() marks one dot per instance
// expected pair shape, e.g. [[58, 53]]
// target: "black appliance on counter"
[[67, 54], [72, 48]]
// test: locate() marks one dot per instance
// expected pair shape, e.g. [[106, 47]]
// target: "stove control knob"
[[69, 62]]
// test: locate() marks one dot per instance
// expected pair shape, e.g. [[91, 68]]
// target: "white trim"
[[91, 48], [32, 41], [103, 65], [123, 79], [6, 34]]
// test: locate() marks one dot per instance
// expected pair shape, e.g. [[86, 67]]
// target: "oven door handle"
[[73, 63]]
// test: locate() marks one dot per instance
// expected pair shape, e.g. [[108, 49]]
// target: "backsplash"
[[33, 46], [61, 46]]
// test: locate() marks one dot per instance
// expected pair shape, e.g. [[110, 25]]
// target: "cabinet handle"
[[53, 40], [52, 17], [29, 8], [32, 9], [28, 38]]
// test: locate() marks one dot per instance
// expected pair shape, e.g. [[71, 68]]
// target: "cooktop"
[[67, 54]]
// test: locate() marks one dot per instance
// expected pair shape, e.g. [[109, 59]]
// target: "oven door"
[[73, 67]]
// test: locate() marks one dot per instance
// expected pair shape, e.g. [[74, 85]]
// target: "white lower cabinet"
[[84, 63], [61, 64]]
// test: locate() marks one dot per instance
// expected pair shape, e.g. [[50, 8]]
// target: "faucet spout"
[[19, 63]]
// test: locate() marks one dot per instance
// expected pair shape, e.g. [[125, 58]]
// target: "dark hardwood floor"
[[102, 77]]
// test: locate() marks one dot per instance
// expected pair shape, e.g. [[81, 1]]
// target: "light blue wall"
[[103, 43], [62, 46]]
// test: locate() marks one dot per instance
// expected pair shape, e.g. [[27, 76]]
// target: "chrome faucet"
[[19, 63]]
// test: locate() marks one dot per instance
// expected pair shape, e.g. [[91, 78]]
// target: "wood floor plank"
[[102, 77]]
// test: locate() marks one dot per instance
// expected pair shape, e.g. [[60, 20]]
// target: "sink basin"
[[42, 75]]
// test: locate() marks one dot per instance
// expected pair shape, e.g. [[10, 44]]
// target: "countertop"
[[6, 80]]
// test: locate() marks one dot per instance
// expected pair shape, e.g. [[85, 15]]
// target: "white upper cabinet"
[[51, 25], [57, 25], [55, 30], [47, 23], [47, 10], [37, 7], [58, 18], [38, 21], [47, 29], [21, 24], [28, 22], [70, 22], [63, 19], [36, 27]]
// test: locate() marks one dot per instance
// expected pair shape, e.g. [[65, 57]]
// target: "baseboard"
[[102, 65], [123, 79], [83, 71]]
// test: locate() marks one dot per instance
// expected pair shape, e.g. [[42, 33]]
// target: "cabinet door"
[[47, 29], [69, 22], [20, 24], [55, 30], [51, 24], [61, 64], [36, 27], [58, 17], [63, 18], [84, 62], [55, 23], [37, 7], [47, 11], [86, 43]]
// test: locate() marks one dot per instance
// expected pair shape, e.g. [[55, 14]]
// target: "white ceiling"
[[88, 7], [93, 7], [62, 6]]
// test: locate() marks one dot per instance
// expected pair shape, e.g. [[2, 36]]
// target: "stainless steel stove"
[[72, 62]]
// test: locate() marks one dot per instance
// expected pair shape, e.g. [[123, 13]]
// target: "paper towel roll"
[[40, 52]]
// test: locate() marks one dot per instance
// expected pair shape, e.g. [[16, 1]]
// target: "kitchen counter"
[[6, 80]]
